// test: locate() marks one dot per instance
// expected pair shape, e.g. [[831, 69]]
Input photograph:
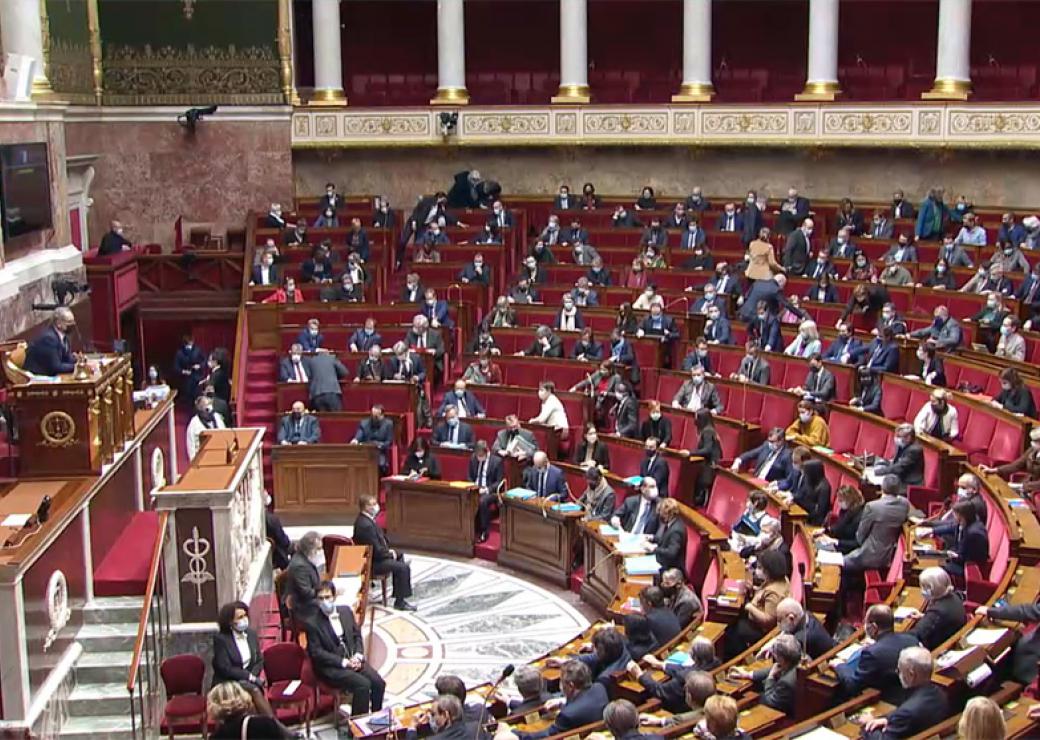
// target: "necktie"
[[1032, 290], [541, 483], [299, 373], [877, 354], [482, 474], [422, 341], [644, 514], [462, 407], [763, 469]]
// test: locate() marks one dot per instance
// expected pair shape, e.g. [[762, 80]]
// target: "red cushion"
[[276, 693], [1006, 443], [186, 705], [844, 431]]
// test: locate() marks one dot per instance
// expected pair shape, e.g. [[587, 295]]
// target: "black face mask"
[[296, 415]]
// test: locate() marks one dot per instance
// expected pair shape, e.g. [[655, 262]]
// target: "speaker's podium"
[[72, 424]]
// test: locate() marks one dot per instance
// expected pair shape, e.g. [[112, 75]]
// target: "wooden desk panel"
[[431, 515], [537, 540], [323, 478]]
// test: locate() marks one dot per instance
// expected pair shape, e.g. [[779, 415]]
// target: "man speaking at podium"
[[50, 352]]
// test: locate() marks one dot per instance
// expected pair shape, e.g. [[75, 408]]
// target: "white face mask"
[[318, 560], [963, 492], [805, 416], [241, 625]]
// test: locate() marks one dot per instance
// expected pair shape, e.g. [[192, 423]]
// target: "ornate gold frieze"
[[70, 69], [773, 124], [1003, 123], [409, 125], [506, 124], [877, 122], [625, 123], [167, 75]]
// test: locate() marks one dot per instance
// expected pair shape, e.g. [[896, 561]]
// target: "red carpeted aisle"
[[124, 571]]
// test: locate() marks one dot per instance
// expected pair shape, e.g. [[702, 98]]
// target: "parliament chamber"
[[519, 369]]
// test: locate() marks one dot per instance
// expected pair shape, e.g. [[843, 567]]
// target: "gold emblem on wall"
[[58, 429]]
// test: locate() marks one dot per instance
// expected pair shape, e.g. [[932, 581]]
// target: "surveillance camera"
[[449, 122], [190, 117]]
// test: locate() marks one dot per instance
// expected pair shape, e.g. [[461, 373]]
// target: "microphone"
[[506, 673]]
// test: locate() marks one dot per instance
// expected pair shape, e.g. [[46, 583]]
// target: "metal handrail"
[[149, 612]]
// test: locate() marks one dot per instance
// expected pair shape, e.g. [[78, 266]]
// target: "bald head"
[[881, 617], [789, 615], [540, 459], [698, 687]]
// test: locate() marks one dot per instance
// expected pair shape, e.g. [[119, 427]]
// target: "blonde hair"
[[981, 720], [668, 508], [228, 699], [720, 714], [808, 327], [851, 494]]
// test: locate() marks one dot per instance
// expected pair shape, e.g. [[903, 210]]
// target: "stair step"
[[99, 700], [107, 638], [94, 668], [113, 609], [114, 727]]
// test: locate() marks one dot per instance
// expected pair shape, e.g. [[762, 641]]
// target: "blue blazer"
[[473, 405], [272, 276], [363, 341], [584, 709], [769, 333], [840, 346], [719, 331], [876, 666], [47, 354], [973, 545], [579, 320], [309, 343], [887, 360], [438, 311], [555, 484], [781, 467], [442, 434]]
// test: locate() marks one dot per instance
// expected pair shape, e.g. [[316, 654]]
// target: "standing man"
[[325, 371], [487, 472], [384, 558], [113, 242]]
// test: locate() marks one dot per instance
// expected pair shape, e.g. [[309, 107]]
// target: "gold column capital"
[[948, 89], [819, 92], [573, 95], [451, 96]]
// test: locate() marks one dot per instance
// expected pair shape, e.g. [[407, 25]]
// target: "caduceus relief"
[[197, 548]]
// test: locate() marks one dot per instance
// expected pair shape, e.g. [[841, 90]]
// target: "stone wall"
[[150, 172], [988, 177]]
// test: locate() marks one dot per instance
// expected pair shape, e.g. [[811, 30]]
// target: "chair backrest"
[[283, 661], [183, 674], [330, 542]]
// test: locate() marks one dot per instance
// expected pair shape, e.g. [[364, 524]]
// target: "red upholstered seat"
[[1006, 443], [981, 583], [877, 590], [895, 400], [727, 500], [283, 664], [800, 558], [844, 431], [182, 676], [873, 438], [977, 431]]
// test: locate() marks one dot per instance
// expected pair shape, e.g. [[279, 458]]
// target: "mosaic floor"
[[472, 620]]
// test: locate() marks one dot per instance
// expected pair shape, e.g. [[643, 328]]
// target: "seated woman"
[[933, 371], [483, 371], [941, 277], [668, 543], [944, 610], [591, 451], [287, 293], [861, 270], [814, 493], [824, 291], [750, 522], [971, 543], [587, 348], [656, 425], [807, 343], [421, 462], [1014, 395], [989, 319], [337, 651], [809, 429], [768, 586], [229, 705], [839, 532], [646, 200], [237, 656]]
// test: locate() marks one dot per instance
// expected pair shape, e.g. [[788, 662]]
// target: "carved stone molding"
[[871, 125]]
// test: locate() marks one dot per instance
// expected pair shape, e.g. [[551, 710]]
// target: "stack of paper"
[[566, 507], [634, 480], [520, 493], [848, 651], [347, 589], [643, 565], [985, 636], [830, 557], [679, 658], [903, 612], [608, 531], [631, 544], [950, 657]]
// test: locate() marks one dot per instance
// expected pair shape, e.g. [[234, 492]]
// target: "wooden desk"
[[602, 567], [323, 478], [431, 515], [350, 561], [538, 540]]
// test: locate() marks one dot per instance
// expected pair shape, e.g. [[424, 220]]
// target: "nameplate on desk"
[[531, 717]]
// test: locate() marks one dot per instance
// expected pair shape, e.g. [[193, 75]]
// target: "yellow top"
[[813, 434]]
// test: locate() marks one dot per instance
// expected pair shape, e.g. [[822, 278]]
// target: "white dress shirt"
[[195, 428], [242, 643], [552, 414]]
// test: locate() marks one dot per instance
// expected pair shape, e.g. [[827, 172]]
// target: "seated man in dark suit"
[[584, 701], [663, 623], [944, 609], [448, 721], [770, 461], [50, 353], [777, 684], [305, 572], [925, 704], [462, 401], [298, 427], [487, 472], [452, 432], [476, 271], [531, 685], [546, 480], [654, 465], [545, 344], [113, 242], [874, 666], [658, 324], [372, 370], [265, 273], [377, 430], [908, 462], [310, 337], [384, 558], [291, 369], [337, 651], [638, 514], [412, 291], [609, 655], [436, 310], [406, 365], [365, 338], [792, 619]]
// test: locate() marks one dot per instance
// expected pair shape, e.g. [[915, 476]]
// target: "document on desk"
[[347, 589], [631, 544], [520, 493], [608, 531], [643, 565], [16, 521], [985, 636], [821, 733], [904, 612], [950, 657], [848, 651], [830, 557]]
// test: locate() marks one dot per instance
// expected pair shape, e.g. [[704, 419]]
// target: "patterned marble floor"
[[472, 620]]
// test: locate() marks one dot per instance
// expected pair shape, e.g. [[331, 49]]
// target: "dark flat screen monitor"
[[25, 189]]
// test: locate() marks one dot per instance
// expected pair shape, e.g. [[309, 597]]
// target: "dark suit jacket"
[[881, 357], [814, 637], [272, 276], [660, 429], [816, 500], [324, 371], [473, 404], [738, 222], [756, 457], [796, 253], [302, 585], [327, 651], [442, 434], [670, 691], [768, 333], [227, 660], [924, 707], [412, 296], [908, 465], [364, 342], [112, 243], [668, 328], [779, 692], [434, 341], [658, 471], [382, 436], [973, 544], [941, 619], [367, 532], [822, 385], [626, 355], [418, 367], [840, 346], [372, 370], [282, 545], [309, 430], [876, 668], [751, 224], [671, 546], [495, 471], [469, 272], [628, 511], [554, 481], [47, 354], [584, 709], [309, 342], [600, 453], [627, 415], [1027, 649]]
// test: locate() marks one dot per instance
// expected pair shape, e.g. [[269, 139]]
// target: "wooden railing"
[[153, 628], [200, 271]]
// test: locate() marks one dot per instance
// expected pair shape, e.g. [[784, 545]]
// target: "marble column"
[[822, 80], [696, 85], [952, 60], [451, 54], [574, 53], [22, 32], [328, 60]]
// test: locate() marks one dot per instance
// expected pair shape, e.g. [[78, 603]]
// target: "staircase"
[[99, 705], [258, 401]]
